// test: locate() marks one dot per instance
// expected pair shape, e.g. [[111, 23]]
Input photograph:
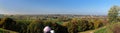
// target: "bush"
[[91, 26], [59, 29], [97, 24], [22, 26], [116, 28], [84, 25], [72, 26], [8, 23], [35, 27]]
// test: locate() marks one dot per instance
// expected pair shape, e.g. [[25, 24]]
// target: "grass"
[[3, 31], [102, 30], [59, 23], [90, 31], [110, 28], [6, 31], [106, 29], [99, 30]]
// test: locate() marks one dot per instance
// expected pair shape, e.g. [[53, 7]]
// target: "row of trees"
[[79, 25], [35, 26]]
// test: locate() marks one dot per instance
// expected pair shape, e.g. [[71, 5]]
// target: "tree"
[[113, 14], [8, 23], [72, 26], [84, 25], [35, 27]]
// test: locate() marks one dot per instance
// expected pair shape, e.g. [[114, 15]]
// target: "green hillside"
[[6, 31]]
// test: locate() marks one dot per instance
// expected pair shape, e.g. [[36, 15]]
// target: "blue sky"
[[81, 7]]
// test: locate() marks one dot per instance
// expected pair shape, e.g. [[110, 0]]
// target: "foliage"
[[103, 30], [55, 26], [84, 25], [111, 28], [97, 24], [113, 14], [3, 31], [35, 27], [22, 26], [6, 31], [115, 27], [8, 23], [72, 26]]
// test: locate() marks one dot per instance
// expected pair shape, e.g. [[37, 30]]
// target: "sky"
[[79, 7]]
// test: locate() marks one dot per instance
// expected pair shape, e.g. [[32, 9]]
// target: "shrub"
[[84, 25], [97, 24], [22, 26], [8, 23], [91, 25], [116, 28], [35, 27], [72, 26]]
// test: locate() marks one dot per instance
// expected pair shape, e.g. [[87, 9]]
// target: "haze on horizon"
[[82, 7]]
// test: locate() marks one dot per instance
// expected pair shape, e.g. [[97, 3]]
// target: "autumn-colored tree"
[[84, 25], [97, 23], [72, 26]]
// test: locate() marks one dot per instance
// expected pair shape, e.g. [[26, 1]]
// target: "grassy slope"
[[107, 29], [92, 31], [6, 31], [102, 30]]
